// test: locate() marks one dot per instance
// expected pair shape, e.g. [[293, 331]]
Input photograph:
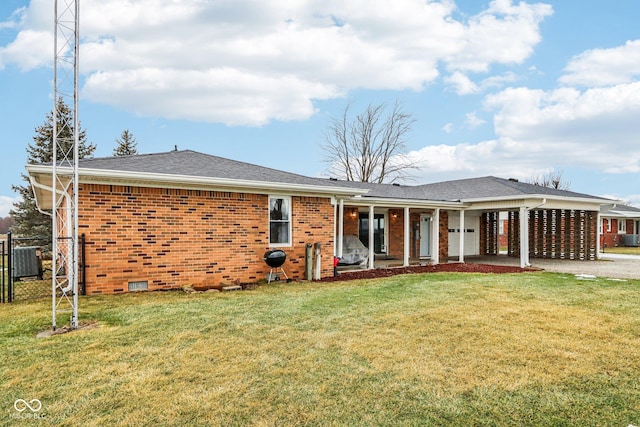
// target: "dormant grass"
[[435, 349]]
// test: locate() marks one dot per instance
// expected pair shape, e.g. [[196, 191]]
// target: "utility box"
[[631, 240], [26, 262]]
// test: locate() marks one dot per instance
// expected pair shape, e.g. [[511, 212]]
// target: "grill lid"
[[275, 258]]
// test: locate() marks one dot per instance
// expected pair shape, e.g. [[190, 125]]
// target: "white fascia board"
[[622, 214], [112, 177], [519, 198], [401, 203]]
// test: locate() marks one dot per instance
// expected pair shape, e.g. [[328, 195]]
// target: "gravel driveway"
[[609, 265]]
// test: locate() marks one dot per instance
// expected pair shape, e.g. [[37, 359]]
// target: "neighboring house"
[[620, 226], [185, 218]]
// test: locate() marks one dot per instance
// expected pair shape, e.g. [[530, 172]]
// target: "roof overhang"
[[543, 201], [402, 203], [41, 180], [621, 214]]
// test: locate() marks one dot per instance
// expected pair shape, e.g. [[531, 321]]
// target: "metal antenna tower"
[[65, 161]]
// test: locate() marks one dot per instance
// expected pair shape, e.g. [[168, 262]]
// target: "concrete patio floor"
[[609, 265]]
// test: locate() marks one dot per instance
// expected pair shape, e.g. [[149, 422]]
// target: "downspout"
[[544, 202], [35, 184]]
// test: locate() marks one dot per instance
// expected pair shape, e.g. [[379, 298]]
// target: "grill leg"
[[276, 276]]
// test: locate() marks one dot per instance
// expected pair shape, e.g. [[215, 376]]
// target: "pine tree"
[[126, 144], [28, 220]]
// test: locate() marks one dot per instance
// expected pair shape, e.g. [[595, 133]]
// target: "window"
[[280, 221], [608, 225], [622, 226]]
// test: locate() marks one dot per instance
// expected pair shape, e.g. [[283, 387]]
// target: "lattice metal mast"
[[65, 161]]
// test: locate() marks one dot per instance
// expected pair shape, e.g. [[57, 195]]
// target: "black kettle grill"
[[275, 258]]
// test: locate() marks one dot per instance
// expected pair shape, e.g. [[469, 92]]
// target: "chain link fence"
[[26, 269]]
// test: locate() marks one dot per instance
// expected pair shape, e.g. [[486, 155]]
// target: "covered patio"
[[409, 230]]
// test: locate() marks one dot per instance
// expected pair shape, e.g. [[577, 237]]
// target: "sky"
[[514, 89]]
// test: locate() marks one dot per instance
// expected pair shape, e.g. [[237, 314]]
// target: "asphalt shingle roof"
[[191, 163]]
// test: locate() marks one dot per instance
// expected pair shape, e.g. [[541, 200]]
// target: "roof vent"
[[395, 184], [333, 179], [513, 179]]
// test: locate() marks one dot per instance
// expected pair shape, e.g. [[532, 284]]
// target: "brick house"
[[185, 218], [620, 226]]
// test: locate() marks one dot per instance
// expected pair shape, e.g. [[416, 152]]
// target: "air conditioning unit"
[[631, 240], [26, 262]]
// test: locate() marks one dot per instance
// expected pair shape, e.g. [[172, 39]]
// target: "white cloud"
[[504, 33], [472, 121], [6, 204], [540, 130], [461, 83], [250, 61], [493, 157], [595, 129], [241, 98], [447, 128], [604, 67], [30, 49]]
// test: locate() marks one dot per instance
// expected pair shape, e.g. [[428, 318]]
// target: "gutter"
[[101, 176], [544, 202], [48, 188]]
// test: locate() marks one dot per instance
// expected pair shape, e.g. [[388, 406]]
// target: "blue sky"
[[511, 89]]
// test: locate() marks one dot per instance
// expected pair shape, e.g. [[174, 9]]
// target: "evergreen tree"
[[126, 144], [27, 219]]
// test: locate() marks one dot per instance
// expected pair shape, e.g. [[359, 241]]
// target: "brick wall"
[[613, 238], [396, 233], [444, 236], [173, 238], [350, 216]]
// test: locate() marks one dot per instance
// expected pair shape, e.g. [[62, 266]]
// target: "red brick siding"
[[396, 233], [173, 238], [612, 238], [351, 221], [444, 236]]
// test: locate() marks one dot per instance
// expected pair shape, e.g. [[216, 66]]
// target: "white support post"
[[598, 234], [407, 237], [435, 237], [461, 241], [340, 236], [371, 239], [524, 237]]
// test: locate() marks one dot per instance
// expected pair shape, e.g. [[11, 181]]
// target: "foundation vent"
[[138, 286]]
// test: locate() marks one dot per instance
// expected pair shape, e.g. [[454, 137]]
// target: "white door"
[[471, 231], [425, 236]]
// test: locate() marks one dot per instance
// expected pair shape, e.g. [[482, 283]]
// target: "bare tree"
[[551, 179], [369, 147]]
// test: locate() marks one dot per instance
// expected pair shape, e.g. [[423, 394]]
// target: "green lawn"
[[434, 349], [623, 250]]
